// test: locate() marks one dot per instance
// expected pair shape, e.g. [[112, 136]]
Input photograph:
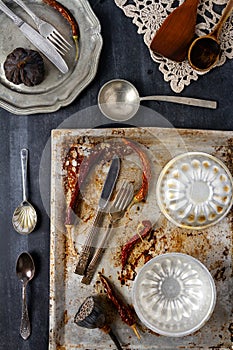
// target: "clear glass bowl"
[[194, 190], [174, 294]]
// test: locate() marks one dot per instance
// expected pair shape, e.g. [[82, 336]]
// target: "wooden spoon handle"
[[226, 13]]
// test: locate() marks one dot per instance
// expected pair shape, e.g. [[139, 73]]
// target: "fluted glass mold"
[[174, 294], [194, 190]]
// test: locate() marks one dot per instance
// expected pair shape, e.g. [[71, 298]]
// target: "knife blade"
[[105, 196], [36, 39], [109, 182]]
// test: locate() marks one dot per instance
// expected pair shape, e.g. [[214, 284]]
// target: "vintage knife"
[[109, 184], [37, 40]]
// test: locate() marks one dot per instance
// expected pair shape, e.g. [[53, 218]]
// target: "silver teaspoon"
[[24, 218], [25, 270], [119, 100]]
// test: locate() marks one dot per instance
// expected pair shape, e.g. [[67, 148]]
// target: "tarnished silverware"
[[36, 39], [24, 218], [25, 270], [117, 210], [106, 193], [47, 30]]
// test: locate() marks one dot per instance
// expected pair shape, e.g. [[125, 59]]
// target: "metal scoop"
[[119, 100], [24, 218]]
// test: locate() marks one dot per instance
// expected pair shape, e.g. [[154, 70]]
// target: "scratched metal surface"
[[212, 246]]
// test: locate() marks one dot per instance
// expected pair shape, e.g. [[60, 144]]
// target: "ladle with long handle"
[[119, 100], [173, 38], [204, 52]]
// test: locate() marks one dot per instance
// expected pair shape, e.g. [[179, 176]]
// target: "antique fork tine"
[[117, 210], [58, 41], [47, 30]]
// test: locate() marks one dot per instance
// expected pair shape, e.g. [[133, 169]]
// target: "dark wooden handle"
[[115, 340]]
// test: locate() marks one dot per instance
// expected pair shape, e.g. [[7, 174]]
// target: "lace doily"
[[148, 15]]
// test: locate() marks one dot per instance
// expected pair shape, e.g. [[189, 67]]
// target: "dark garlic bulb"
[[24, 66]]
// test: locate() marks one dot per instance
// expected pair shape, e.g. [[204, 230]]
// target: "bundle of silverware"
[[90, 257]]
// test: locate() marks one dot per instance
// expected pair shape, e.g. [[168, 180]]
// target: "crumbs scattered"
[[219, 275]]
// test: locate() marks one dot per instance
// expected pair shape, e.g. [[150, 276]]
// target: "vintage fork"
[[47, 30], [123, 198]]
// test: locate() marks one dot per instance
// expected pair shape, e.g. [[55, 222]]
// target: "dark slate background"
[[124, 55]]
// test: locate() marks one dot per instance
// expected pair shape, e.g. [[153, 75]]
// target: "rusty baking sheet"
[[212, 246]]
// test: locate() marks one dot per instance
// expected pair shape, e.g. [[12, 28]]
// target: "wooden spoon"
[[204, 51], [174, 37]]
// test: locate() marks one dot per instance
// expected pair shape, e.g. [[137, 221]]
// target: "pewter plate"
[[194, 190], [212, 246], [57, 90]]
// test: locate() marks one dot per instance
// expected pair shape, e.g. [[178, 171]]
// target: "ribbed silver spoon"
[[24, 218]]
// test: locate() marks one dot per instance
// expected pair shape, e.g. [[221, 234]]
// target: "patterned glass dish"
[[194, 190], [174, 294]]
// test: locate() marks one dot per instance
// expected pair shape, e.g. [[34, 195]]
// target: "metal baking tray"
[[212, 245], [56, 90]]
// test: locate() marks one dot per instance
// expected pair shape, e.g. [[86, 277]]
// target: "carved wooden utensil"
[[204, 51], [176, 33]]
